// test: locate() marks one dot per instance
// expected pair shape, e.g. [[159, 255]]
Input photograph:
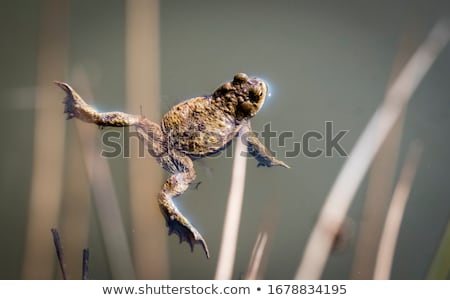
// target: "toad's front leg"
[[183, 174], [76, 107], [257, 149]]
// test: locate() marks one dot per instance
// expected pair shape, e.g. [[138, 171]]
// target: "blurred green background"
[[324, 61]]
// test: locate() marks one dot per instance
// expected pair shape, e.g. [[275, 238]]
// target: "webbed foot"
[[271, 163], [76, 107], [179, 225]]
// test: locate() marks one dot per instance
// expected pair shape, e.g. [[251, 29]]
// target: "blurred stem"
[[380, 181], [107, 205], [230, 232], [355, 168], [76, 205], [254, 267], [440, 267], [395, 213], [260, 253], [149, 237], [104, 195], [48, 151]]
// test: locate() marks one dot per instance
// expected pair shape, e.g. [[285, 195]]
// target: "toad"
[[195, 128]]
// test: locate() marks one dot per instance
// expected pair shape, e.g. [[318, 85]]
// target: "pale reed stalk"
[[352, 173]]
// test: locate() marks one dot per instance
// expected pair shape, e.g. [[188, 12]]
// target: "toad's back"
[[198, 127]]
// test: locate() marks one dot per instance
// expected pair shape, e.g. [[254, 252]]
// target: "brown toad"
[[195, 128]]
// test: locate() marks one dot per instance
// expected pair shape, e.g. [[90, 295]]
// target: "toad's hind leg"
[[183, 174], [76, 107]]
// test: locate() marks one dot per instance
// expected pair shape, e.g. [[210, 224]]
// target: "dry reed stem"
[[151, 259], [394, 216], [107, 205], [440, 267], [379, 191], [105, 198], [85, 264], [352, 173], [233, 214], [254, 268], [381, 179], [260, 253], [76, 202], [59, 252], [48, 149]]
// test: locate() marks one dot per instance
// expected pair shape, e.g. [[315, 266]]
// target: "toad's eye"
[[255, 94], [240, 78]]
